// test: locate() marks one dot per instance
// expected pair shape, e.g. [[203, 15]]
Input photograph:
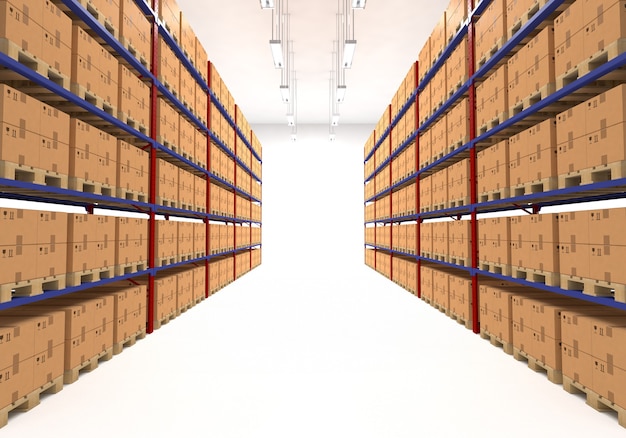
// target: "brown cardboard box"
[[105, 242], [185, 189], [187, 38], [571, 139], [55, 139], [494, 236], [568, 37], [16, 381], [607, 247], [490, 29], [167, 126], [517, 74], [540, 62], [520, 244], [438, 38], [18, 339], [459, 241], [441, 286], [199, 239], [425, 102], [51, 244], [169, 68], [21, 23], [110, 10], [132, 171], [604, 119], [133, 96], [84, 139], [574, 244], [458, 125], [439, 89], [131, 237], [604, 29], [461, 296], [425, 152], [21, 128], [424, 61], [441, 238], [165, 296], [456, 13], [518, 159], [440, 188], [493, 171], [167, 240], [134, 30], [426, 239], [57, 38], [106, 154], [426, 282], [492, 98], [81, 243], [185, 237], [167, 182], [609, 381], [457, 68], [544, 235], [170, 13], [459, 183], [541, 140]]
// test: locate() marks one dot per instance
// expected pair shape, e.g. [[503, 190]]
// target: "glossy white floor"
[[313, 343]]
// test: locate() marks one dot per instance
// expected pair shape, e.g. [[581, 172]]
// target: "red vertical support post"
[[390, 200], [152, 237], [418, 241], [208, 184], [235, 198], [473, 177]]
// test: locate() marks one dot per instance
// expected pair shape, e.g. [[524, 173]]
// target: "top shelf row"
[[123, 30]]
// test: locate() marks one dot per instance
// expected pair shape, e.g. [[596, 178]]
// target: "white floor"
[[312, 344]]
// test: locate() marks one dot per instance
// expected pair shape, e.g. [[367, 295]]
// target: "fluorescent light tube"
[[335, 120], [341, 93], [290, 120], [284, 92], [348, 53], [277, 53], [269, 4]]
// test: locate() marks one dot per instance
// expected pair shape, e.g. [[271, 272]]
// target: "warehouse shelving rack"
[[532, 203], [21, 190]]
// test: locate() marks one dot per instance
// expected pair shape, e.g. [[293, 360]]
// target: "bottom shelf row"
[[578, 344], [47, 344]]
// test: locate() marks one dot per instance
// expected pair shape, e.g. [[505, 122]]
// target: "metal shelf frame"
[[531, 203], [20, 190]]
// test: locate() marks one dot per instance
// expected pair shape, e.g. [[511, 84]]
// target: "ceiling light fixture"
[[268, 4], [335, 120], [348, 53], [358, 4], [277, 53], [291, 120], [341, 93], [284, 93]]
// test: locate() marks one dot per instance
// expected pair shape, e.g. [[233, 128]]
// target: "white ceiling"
[[236, 34]]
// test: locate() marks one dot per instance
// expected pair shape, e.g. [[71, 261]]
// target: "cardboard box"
[[456, 13], [18, 245], [461, 296], [425, 201], [167, 182], [425, 102], [23, 25], [543, 237], [493, 172], [426, 282], [81, 243], [571, 139], [574, 244], [494, 240], [602, 30], [459, 242], [492, 101], [167, 239], [51, 244], [441, 286], [57, 38], [131, 238], [438, 39], [607, 246], [424, 61], [132, 171], [105, 242], [133, 96], [440, 188], [459, 183], [490, 30], [109, 10], [458, 125], [457, 67], [20, 116], [568, 38], [440, 238], [520, 244], [604, 121], [134, 30]]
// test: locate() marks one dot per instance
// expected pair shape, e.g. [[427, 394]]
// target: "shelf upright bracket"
[[89, 208], [152, 235], [418, 225], [535, 209], [471, 40]]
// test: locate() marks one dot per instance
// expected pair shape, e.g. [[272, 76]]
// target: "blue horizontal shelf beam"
[[604, 301], [482, 7], [20, 301]]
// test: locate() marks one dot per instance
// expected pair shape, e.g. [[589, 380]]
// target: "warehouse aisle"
[[312, 344]]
